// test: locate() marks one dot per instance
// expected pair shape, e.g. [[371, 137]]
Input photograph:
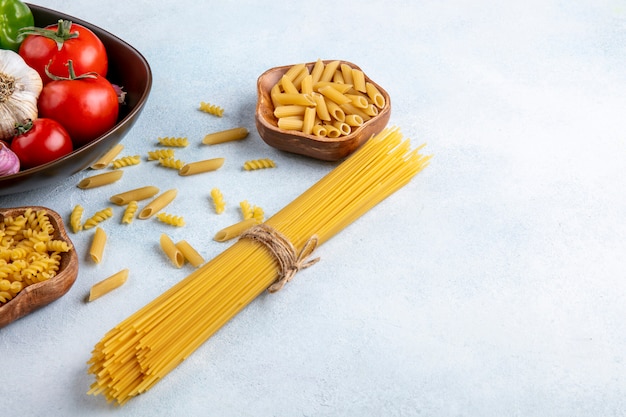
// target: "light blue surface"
[[492, 285]]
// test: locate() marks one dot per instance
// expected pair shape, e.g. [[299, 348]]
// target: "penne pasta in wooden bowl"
[[47, 251], [324, 109]]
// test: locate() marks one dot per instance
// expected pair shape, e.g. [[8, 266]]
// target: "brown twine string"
[[289, 261]]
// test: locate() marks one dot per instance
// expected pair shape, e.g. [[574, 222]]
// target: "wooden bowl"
[[324, 148], [42, 293]]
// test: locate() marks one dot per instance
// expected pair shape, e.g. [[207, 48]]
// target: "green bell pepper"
[[14, 15]]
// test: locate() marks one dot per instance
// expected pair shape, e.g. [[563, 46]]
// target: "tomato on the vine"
[[40, 141], [86, 105], [54, 45]]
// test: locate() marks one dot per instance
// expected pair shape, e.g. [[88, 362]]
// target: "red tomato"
[[56, 44], [86, 106], [44, 141]]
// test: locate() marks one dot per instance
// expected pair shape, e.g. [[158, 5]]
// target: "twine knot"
[[289, 261]]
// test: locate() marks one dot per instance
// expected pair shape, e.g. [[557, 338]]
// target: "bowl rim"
[[128, 118]]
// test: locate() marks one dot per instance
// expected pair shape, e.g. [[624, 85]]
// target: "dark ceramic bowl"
[[127, 68]]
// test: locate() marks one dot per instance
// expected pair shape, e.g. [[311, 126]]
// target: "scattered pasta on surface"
[[211, 109], [258, 214], [246, 209], [218, 200], [29, 252], [160, 154], [98, 217], [174, 142], [99, 180], [76, 218], [263, 163], [108, 284], [129, 212], [126, 161], [106, 159], [171, 219]]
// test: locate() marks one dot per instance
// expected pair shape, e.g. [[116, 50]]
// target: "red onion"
[[9, 162]]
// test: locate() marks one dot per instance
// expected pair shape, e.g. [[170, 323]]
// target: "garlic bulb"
[[9, 162], [20, 86]]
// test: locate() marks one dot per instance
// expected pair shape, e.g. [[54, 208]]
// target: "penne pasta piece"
[[134, 195], [286, 98], [189, 253], [199, 167], [354, 120], [294, 71], [371, 110], [332, 131], [318, 69], [290, 123], [343, 127], [308, 121], [375, 95], [172, 252], [158, 203], [338, 77], [329, 71], [320, 106], [320, 130], [98, 243], [335, 111], [108, 284], [227, 135], [342, 88], [234, 230], [297, 82], [306, 85], [108, 157], [346, 71], [288, 86], [334, 95], [99, 180], [358, 79], [358, 101], [349, 108], [289, 110]]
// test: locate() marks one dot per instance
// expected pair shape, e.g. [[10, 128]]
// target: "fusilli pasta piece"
[[98, 217], [218, 200], [175, 142], [160, 154], [76, 218], [211, 109], [259, 164], [172, 163], [126, 161], [129, 212], [171, 219], [246, 209]]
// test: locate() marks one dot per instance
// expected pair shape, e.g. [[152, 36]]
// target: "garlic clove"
[[9, 162]]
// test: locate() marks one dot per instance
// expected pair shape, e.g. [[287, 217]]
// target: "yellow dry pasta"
[[108, 157], [290, 123], [158, 203], [171, 251], [290, 110], [98, 217], [211, 109], [172, 163], [228, 135], [174, 142], [258, 214], [126, 161], [171, 219], [235, 230], [76, 217], [190, 253], [96, 250], [199, 167], [108, 284], [246, 209], [99, 180], [374, 94], [29, 252], [129, 212], [160, 154], [218, 200], [262, 163], [136, 194]]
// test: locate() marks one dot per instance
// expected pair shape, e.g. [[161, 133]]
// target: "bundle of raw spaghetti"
[[142, 349]]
